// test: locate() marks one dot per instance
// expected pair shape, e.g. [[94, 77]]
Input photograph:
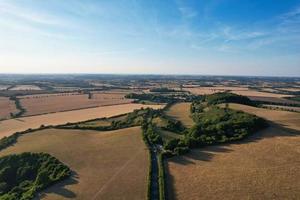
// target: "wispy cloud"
[[186, 11], [13, 10]]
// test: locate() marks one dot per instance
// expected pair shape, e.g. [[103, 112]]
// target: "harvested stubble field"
[[290, 89], [274, 100], [6, 107], [237, 90], [4, 87], [265, 166], [297, 109], [25, 87], [181, 112], [106, 165], [8, 127], [41, 104], [283, 118]]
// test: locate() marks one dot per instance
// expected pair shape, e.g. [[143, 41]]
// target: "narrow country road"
[[154, 175]]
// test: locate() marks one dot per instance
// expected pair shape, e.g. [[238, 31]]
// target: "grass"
[[265, 166], [181, 112], [107, 165]]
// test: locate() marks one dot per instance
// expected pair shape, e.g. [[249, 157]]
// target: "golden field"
[[283, 118], [6, 107], [237, 90], [8, 127], [265, 166], [41, 104], [181, 112], [106, 165]]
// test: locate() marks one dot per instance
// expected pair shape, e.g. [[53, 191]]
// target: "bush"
[[22, 175]]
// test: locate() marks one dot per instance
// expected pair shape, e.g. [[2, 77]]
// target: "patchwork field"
[[8, 127], [283, 118], [106, 165], [6, 107], [237, 90], [274, 100], [297, 109], [4, 87], [40, 104], [265, 166], [25, 87], [181, 112]]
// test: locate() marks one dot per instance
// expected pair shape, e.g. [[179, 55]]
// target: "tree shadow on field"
[[60, 188], [206, 153]]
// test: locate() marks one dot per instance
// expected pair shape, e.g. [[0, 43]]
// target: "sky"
[[205, 37]]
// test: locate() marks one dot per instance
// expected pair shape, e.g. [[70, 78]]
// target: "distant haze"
[[228, 37]]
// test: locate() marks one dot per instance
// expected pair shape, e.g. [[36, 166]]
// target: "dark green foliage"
[[181, 150], [151, 97], [197, 107], [163, 90], [222, 125], [23, 175], [152, 134], [7, 141], [174, 126], [225, 97], [295, 98], [158, 98], [18, 106], [134, 118], [171, 144]]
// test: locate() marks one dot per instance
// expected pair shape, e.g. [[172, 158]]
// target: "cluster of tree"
[[18, 106], [295, 98], [23, 175], [162, 90], [217, 125], [214, 125], [157, 98], [134, 118], [225, 97], [151, 97], [7, 141], [197, 107], [175, 147], [151, 132], [173, 125]]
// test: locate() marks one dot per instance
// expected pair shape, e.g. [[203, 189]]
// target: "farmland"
[[8, 127], [283, 118], [106, 165], [181, 112], [7, 107], [265, 166], [278, 107], [201, 147], [237, 90], [25, 87], [41, 104]]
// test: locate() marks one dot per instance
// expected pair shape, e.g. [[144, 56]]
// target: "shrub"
[[22, 175]]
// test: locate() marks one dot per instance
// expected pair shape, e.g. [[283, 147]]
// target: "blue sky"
[[217, 37]]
